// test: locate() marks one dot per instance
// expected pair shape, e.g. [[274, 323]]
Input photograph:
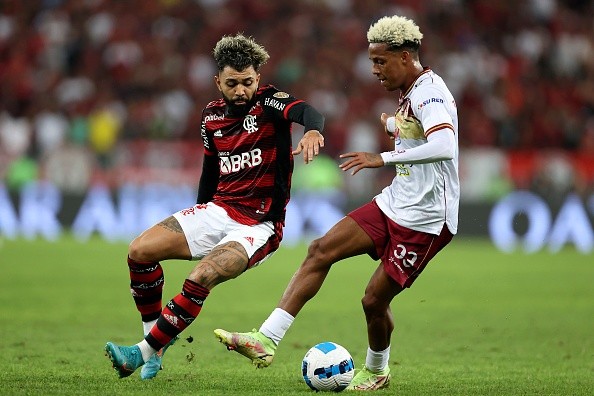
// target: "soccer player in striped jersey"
[[404, 226], [238, 219]]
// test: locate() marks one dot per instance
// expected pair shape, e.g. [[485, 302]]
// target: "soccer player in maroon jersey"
[[238, 219]]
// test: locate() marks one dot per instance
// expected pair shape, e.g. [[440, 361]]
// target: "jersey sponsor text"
[[274, 104], [235, 163]]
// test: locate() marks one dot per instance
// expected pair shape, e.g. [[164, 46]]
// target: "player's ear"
[[405, 56], [217, 81]]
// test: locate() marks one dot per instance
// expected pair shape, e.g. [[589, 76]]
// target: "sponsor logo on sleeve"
[[429, 101], [275, 104]]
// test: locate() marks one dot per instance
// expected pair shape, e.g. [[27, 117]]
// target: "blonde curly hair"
[[396, 31]]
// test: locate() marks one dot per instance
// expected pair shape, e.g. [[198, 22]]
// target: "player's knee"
[[372, 305], [319, 253], [137, 250]]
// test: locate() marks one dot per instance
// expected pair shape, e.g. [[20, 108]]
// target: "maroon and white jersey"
[[247, 159], [424, 194]]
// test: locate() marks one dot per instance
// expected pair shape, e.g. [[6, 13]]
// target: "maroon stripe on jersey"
[[262, 190], [439, 127]]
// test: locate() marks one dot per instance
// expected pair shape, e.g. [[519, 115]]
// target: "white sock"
[[146, 350], [377, 361], [147, 326], [277, 325]]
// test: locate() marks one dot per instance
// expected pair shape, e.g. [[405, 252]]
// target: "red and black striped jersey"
[[248, 163]]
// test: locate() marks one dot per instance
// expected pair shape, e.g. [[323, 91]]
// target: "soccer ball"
[[328, 366]]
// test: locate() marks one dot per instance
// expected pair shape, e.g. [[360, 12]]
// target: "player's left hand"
[[310, 144], [360, 160], [384, 120]]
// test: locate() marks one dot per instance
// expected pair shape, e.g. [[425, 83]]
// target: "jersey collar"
[[422, 75]]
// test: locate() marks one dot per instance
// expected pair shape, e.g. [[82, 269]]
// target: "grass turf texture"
[[477, 322]]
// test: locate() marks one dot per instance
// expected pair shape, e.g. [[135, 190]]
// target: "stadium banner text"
[[521, 220]]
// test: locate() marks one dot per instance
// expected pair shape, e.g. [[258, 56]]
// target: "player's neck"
[[416, 70]]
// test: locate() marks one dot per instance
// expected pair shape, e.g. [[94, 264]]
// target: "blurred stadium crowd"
[[90, 88]]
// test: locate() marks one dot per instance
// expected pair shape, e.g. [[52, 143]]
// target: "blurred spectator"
[[21, 172], [50, 128], [15, 134], [100, 73]]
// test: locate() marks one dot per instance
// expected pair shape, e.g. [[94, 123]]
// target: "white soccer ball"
[[328, 366]]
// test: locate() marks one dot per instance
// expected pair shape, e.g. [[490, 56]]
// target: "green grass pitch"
[[477, 322]]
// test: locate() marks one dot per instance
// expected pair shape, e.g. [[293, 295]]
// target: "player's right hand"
[[360, 160]]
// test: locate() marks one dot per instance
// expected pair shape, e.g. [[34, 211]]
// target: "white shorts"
[[208, 225]]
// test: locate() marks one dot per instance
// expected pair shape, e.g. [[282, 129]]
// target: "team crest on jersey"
[[281, 95], [249, 123], [407, 125]]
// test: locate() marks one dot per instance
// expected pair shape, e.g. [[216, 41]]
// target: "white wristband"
[[388, 158], [391, 124]]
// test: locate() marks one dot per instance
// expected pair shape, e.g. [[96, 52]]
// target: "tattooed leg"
[[162, 241], [171, 224], [223, 263]]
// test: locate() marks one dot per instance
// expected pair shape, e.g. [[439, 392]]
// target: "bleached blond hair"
[[396, 31]]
